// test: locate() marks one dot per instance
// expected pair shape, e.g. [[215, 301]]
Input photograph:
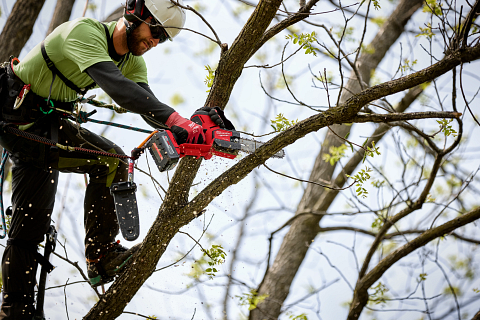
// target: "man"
[[72, 57]]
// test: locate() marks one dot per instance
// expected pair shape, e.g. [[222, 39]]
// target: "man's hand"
[[185, 131], [218, 117]]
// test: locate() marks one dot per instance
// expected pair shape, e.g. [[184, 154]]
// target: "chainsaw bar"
[[250, 146]]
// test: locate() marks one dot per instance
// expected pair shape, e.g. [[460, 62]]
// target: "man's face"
[[141, 40]]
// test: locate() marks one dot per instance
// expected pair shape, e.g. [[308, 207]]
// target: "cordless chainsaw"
[[166, 153], [220, 142]]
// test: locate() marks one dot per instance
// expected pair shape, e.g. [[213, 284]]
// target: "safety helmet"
[[165, 12]]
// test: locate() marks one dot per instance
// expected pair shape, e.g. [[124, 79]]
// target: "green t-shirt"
[[73, 47]]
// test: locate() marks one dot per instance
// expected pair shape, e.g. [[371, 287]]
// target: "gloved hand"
[[185, 131], [218, 117]]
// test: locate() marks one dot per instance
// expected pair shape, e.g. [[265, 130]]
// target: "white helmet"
[[170, 16]]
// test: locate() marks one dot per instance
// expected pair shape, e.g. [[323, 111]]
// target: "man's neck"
[[120, 38]]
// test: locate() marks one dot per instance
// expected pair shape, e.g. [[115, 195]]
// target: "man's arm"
[[150, 120], [128, 94], [139, 99]]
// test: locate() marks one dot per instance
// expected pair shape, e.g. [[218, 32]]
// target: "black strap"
[[32, 247], [55, 71], [69, 83], [113, 53]]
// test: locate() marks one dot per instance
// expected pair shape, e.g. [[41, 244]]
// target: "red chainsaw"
[[220, 142]]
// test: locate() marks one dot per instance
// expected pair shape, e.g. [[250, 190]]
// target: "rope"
[[101, 104], [113, 124], [52, 143], [3, 227]]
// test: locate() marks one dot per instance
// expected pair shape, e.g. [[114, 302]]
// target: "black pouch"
[[11, 86]]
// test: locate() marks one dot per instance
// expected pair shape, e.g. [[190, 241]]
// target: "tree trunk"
[[278, 279], [62, 13], [115, 15], [19, 27]]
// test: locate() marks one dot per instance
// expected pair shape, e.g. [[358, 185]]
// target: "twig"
[[64, 285], [85, 8], [198, 243], [266, 66], [65, 294], [308, 181], [75, 264], [139, 315], [201, 17], [464, 98], [186, 254]]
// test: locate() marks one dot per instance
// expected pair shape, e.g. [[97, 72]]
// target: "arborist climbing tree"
[[37, 97]]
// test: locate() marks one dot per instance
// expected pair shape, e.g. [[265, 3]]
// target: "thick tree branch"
[[390, 117], [393, 234], [364, 284], [62, 13], [17, 29]]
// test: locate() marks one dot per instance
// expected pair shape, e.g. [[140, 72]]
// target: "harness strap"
[[32, 247], [70, 84], [55, 71]]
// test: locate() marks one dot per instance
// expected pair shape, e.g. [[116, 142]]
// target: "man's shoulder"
[[82, 27]]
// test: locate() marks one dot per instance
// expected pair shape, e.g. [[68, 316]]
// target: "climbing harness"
[[122, 192]]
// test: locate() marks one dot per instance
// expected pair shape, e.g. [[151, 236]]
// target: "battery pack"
[[162, 147], [126, 209]]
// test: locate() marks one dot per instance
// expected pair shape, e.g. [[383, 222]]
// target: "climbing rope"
[[52, 143], [118, 125], [100, 104]]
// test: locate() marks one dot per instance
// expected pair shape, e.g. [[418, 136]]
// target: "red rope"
[[49, 142]]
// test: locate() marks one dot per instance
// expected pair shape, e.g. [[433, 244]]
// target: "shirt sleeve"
[[128, 94]]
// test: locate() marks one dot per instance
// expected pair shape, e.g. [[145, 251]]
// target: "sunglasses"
[[158, 32]]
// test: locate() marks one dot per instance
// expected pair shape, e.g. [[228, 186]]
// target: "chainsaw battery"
[[162, 147]]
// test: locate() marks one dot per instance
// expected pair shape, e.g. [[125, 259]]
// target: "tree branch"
[[364, 284], [389, 117]]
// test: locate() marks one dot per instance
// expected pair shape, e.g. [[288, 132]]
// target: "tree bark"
[[115, 15], [19, 27], [62, 13], [279, 277]]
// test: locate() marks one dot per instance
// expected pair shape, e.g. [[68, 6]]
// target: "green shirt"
[[73, 47]]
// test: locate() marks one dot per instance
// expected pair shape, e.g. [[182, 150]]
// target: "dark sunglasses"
[[158, 32]]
